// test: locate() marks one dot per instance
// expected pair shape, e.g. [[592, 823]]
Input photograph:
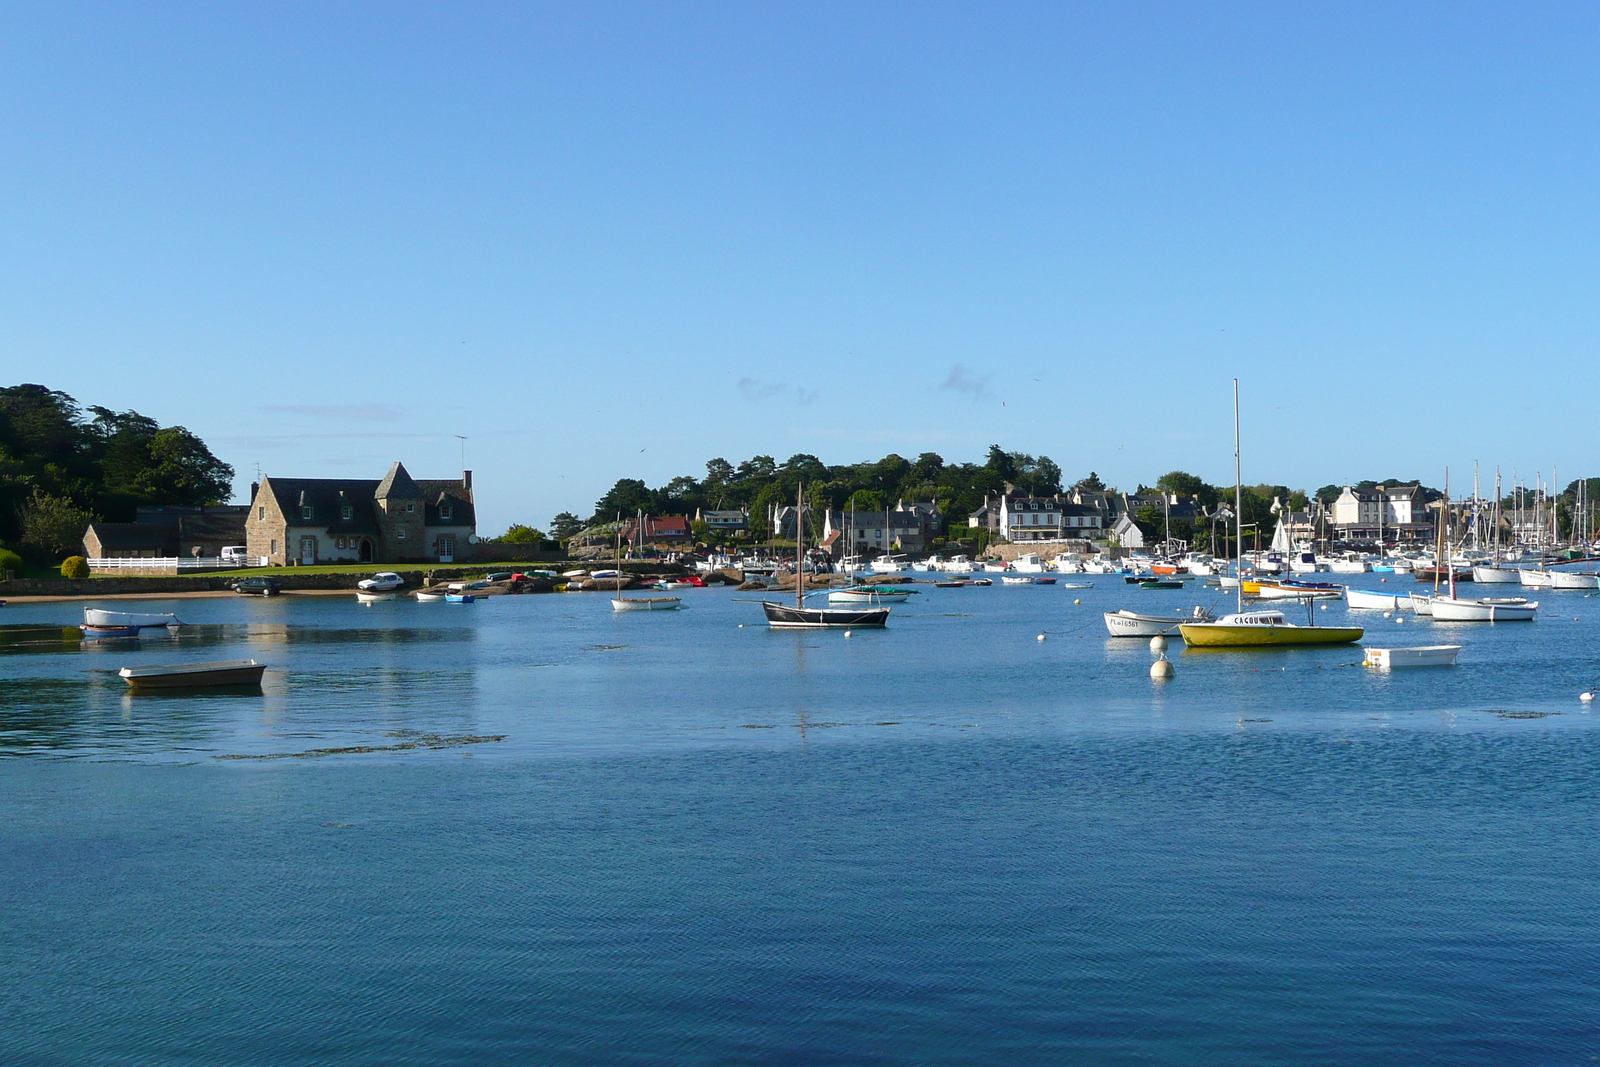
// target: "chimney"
[[255, 487], [466, 479]]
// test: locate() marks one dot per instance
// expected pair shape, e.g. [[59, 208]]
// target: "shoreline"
[[188, 594]]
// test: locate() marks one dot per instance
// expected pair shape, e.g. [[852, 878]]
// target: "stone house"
[[1015, 516], [166, 531], [397, 519]]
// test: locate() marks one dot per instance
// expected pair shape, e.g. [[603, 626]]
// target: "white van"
[[235, 554]]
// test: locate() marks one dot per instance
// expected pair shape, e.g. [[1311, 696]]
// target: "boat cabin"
[[1255, 618]]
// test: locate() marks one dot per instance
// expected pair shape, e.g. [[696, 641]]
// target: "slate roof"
[[397, 483], [324, 496], [228, 527], [136, 535]]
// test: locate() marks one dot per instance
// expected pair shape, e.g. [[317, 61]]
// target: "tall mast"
[[1238, 507], [800, 545]]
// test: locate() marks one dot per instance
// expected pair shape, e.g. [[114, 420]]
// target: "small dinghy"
[[1421, 656], [1018, 580], [364, 597], [194, 675], [429, 598], [98, 617], [460, 598], [1077, 585]]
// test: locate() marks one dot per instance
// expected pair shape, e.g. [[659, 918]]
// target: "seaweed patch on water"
[[1520, 714], [602, 648], [412, 740]]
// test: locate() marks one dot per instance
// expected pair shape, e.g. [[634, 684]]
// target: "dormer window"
[[305, 511], [347, 512], [410, 508], [446, 511]]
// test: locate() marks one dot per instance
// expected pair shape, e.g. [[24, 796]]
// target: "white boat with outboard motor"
[[1125, 623], [100, 617], [1419, 656]]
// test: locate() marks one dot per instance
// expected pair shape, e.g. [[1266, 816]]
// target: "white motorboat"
[[1367, 600], [958, 565], [1028, 563], [99, 617], [1532, 579], [1016, 579], [1420, 656], [1573, 580], [382, 582], [1127, 623], [1495, 575], [1486, 609], [889, 565], [1349, 566]]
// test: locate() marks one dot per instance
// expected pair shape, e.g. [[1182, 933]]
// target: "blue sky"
[[618, 240]]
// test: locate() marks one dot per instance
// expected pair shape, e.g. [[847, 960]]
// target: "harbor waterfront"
[[535, 830]]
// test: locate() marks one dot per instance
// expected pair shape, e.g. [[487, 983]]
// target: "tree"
[[182, 470], [1001, 463], [54, 523], [718, 472], [518, 534], [755, 468], [1329, 493], [1180, 483], [1042, 476], [565, 525], [624, 498], [1091, 484]]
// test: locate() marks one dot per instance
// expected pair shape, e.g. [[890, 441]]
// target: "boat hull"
[[861, 596], [1572, 580], [100, 617], [1423, 656], [786, 616], [1366, 600], [647, 603], [194, 675], [1222, 635], [1494, 575], [1132, 624], [1447, 610]]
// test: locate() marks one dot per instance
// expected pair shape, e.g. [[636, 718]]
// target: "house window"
[[346, 511], [410, 508], [400, 532], [261, 513], [446, 511], [340, 542], [274, 548], [305, 512]]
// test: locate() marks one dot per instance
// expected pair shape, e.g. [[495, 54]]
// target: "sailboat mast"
[[800, 545], [1238, 506]]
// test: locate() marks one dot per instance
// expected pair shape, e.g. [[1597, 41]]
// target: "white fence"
[[176, 563]]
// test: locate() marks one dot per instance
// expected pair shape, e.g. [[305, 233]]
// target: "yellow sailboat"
[[1257, 629]]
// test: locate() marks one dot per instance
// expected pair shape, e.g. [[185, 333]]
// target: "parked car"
[[258, 586], [382, 582]]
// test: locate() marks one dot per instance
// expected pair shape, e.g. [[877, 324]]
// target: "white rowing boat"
[[99, 617], [1420, 656]]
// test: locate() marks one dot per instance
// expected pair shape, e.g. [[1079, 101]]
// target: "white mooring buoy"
[[1158, 643], [1162, 669], [1586, 697], [849, 633], [1041, 637], [1078, 600]]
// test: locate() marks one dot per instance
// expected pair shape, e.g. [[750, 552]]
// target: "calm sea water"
[[565, 836]]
